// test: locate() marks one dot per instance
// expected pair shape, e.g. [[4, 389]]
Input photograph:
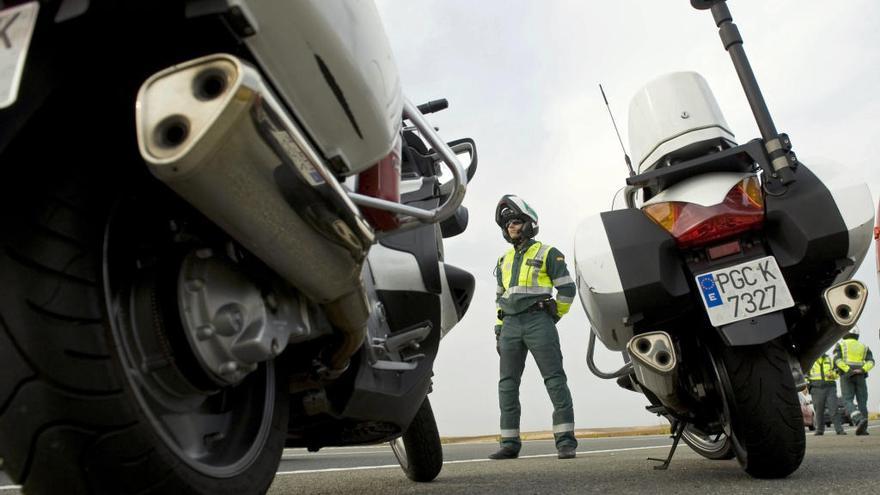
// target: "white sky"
[[521, 79]]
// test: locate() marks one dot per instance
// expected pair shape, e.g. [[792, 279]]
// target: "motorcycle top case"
[[627, 269], [331, 62]]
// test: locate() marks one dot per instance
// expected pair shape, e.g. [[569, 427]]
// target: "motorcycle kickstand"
[[677, 430]]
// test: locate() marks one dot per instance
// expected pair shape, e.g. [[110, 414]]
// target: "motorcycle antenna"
[[625, 155]]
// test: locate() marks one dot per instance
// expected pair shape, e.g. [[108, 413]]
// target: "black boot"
[[504, 453], [862, 427], [567, 453]]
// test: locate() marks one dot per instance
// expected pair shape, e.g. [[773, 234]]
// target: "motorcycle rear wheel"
[[76, 414], [419, 450], [714, 447], [765, 417]]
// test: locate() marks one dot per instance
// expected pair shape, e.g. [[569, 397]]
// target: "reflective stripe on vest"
[[822, 371], [853, 352], [533, 278]]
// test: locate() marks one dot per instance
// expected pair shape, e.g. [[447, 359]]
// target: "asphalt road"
[[833, 464]]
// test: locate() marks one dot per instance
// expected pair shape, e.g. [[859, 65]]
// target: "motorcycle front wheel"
[[766, 423], [99, 392], [419, 451]]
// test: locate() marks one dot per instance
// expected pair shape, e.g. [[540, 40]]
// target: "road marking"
[[463, 461], [286, 457], [350, 447]]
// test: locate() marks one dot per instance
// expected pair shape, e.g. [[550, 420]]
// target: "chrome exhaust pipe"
[[655, 365], [842, 305], [215, 134]]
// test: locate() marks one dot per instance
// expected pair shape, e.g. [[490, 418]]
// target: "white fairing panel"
[[331, 62], [599, 286], [399, 271], [395, 270], [705, 189], [856, 207], [448, 314], [671, 112]]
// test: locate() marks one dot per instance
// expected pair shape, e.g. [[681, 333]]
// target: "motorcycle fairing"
[[818, 232], [627, 269], [346, 94]]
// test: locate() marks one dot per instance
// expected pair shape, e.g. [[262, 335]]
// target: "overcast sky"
[[521, 79]]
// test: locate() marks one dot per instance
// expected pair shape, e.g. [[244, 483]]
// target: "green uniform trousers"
[[533, 332]]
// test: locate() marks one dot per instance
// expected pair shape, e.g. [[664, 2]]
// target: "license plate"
[[743, 291], [16, 27]]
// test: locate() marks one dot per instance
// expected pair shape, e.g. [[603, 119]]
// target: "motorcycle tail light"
[[382, 181], [695, 225]]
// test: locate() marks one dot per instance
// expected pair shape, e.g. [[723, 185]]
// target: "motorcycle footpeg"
[[407, 337]]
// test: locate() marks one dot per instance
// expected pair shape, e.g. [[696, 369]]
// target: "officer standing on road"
[[527, 314], [854, 360], [822, 383]]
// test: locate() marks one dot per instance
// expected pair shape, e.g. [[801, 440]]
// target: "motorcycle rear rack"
[[411, 216]]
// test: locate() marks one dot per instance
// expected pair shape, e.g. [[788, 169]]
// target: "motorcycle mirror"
[[466, 146], [461, 147], [456, 224]]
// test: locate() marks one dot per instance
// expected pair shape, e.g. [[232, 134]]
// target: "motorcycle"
[[732, 266], [226, 241]]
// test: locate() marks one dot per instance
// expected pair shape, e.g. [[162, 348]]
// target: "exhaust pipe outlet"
[[655, 365], [213, 132], [842, 305]]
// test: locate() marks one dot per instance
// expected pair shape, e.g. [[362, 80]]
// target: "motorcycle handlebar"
[[433, 106]]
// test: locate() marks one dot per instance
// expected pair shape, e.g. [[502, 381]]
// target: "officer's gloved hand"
[[498, 341]]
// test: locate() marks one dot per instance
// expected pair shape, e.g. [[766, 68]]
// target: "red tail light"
[[694, 225], [382, 181]]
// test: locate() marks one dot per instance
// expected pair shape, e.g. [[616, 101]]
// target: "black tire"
[[419, 451], [765, 414], [71, 419], [713, 447]]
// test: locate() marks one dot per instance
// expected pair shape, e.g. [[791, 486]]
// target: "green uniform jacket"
[[527, 274]]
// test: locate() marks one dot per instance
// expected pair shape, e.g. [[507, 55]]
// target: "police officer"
[[527, 315], [854, 360], [822, 383]]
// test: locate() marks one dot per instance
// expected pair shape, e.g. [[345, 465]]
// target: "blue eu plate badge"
[[710, 290]]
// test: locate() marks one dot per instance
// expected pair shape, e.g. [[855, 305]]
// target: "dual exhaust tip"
[[198, 93], [654, 350], [845, 302]]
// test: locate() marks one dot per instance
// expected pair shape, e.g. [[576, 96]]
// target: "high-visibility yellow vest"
[[532, 278], [822, 370], [852, 355]]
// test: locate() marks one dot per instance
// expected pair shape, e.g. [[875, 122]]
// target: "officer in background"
[[822, 383], [527, 317], [854, 360]]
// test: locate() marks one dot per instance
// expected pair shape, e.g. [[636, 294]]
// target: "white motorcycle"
[[281, 284], [727, 274]]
